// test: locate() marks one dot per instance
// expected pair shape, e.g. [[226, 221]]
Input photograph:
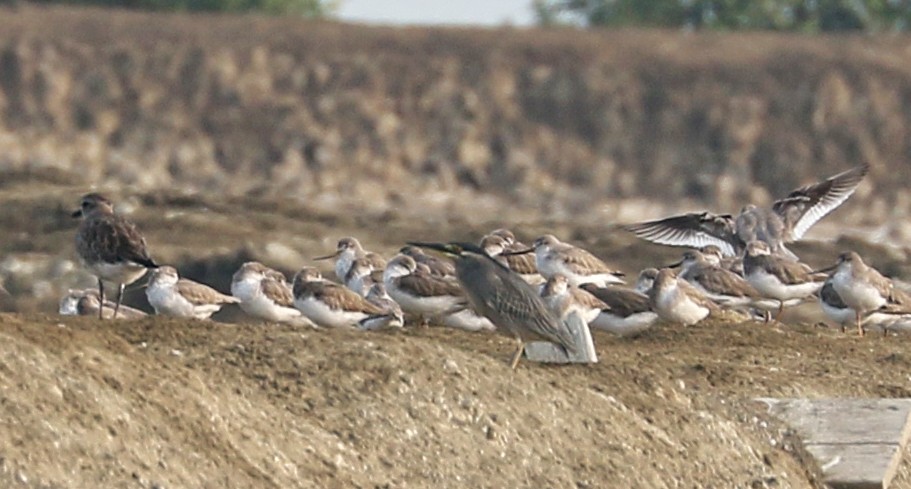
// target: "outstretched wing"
[[694, 230], [803, 207]]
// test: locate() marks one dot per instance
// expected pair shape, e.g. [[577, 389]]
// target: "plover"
[[110, 246], [787, 221], [171, 295], [676, 301], [523, 264], [264, 293], [421, 294], [628, 310], [499, 294], [346, 250], [332, 305], [554, 257], [87, 303], [436, 266], [395, 317], [777, 277], [860, 286], [564, 299]]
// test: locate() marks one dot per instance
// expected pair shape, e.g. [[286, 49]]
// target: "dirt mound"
[[201, 404]]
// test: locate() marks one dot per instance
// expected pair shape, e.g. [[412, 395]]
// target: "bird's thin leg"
[[518, 355], [860, 324], [119, 298], [780, 310], [100, 299]]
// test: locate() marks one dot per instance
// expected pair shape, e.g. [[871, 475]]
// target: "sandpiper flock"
[[735, 264]]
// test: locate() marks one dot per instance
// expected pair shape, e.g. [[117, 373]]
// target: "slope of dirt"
[[201, 404]]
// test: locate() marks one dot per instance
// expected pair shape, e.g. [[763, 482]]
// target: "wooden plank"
[[857, 442], [546, 352]]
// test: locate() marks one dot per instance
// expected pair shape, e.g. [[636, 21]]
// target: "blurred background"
[[237, 129]]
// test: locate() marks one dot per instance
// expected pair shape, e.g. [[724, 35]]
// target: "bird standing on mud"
[[503, 297], [110, 246]]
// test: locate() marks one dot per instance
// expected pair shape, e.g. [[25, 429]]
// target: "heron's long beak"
[[518, 252], [441, 247], [328, 257], [826, 269]]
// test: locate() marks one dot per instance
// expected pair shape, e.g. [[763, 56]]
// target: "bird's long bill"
[[518, 252], [328, 257], [441, 247], [675, 264], [826, 269]]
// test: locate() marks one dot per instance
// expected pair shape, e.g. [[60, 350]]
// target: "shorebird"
[[563, 299], [787, 221], [715, 256], [501, 296], [87, 303], [776, 277], [332, 305], [499, 248], [421, 294], [172, 295], [675, 300], [436, 266], [346, 251], [554, 257], [646, 280], [896, 310], [264, 293], [629, 310], [719, 284], [860, 286], [361, 276], [394, 318], [110, 246]]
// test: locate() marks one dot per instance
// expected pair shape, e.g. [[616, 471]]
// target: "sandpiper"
[[715, 256], [675, 300], [437, 266], [777, 277], [361, 276], [329, 304], [646, 280], [719, 284], [554, 257], [394, 318], [421, 294], [787, 221], [87, 303], [110, 246], [897, 309], [264, 293], [860, 286], [346, 250], [629, 311], [524, 264], [564, 299], [172, 295]]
